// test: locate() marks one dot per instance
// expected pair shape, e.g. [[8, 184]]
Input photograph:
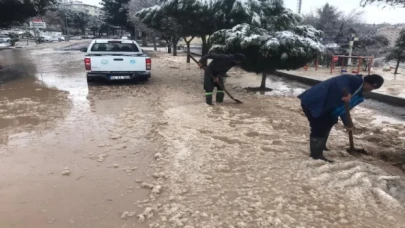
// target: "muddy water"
[[52, 121]]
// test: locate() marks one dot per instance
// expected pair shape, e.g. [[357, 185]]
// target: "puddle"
[[283, 87], [14, 65], [24, 100], [26, 103]]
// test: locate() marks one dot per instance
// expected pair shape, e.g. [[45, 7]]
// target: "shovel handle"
[[349, 119], [220, 84]]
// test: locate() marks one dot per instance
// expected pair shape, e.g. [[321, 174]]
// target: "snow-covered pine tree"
[[203, 18], [156, 18], [273, 40], [183, 11], [135, 6]]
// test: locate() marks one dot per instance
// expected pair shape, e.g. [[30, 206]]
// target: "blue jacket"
[[326, 97]]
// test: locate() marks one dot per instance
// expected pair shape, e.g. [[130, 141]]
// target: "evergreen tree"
[[135, 6], [264, 30], [277, 41], [94, 25], [155, 18], [76, 20], [183, 11], [398, 52], [329, 17], [116, 12], [335, 25], [13, 11], [41, 6], [202, 18]]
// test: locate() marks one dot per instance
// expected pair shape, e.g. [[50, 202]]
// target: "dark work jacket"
[[326, 97], [220, 63]]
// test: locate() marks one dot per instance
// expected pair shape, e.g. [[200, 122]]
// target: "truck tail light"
[[148, 64], [87, 63]]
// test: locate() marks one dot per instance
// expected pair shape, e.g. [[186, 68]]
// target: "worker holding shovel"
[[325, 102], [215, 72]]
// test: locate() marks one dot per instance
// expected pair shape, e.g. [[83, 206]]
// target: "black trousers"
[[320, 126], [209, 83]]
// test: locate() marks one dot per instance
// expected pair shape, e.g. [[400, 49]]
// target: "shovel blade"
[[357, 151]]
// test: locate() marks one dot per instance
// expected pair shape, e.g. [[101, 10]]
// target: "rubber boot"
[[208, 99], [316, 146], [220, 96]]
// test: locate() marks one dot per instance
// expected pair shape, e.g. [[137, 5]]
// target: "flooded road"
[[51, 120], [154, 155]]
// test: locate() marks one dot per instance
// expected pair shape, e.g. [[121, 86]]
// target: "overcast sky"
[[373, 14]]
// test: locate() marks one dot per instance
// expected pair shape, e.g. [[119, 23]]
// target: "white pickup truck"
[[112, 60]]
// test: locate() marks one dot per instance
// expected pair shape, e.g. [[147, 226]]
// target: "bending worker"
[[324, 103], [218, 67]]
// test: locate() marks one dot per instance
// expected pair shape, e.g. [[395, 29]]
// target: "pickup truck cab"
[[114, 59]]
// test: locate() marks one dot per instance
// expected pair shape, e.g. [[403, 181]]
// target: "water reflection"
[[109, 98], [25, 101], [14, 65]]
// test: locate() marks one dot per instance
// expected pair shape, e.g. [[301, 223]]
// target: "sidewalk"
[[393, 85], [392, 92]]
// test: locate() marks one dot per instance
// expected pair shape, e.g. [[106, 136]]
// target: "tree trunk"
[[396, 68], [144, 40], [154, 42], [204, 48], [169, 48], [263, 84], [188, 47], [175, 41], [188, 51]]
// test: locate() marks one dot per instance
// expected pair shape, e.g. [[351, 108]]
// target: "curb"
[[396, 101]]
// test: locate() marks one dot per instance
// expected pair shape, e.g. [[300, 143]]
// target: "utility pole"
[[353, 38], [299, 6], [67, 29]]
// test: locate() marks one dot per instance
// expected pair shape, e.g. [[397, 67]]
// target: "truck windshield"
[[115, 47]]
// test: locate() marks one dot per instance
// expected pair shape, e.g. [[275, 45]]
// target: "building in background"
[[391, 32], [81, 7]]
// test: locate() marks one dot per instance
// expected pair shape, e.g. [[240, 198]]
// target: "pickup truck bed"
[[113, 60]]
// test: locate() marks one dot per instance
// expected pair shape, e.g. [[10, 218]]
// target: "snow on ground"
[[247, 165]]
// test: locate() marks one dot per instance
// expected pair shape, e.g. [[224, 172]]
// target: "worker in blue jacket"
[[324, 103]]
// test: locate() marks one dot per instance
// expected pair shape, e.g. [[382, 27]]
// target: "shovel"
[[351, 149], [220, 85]]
